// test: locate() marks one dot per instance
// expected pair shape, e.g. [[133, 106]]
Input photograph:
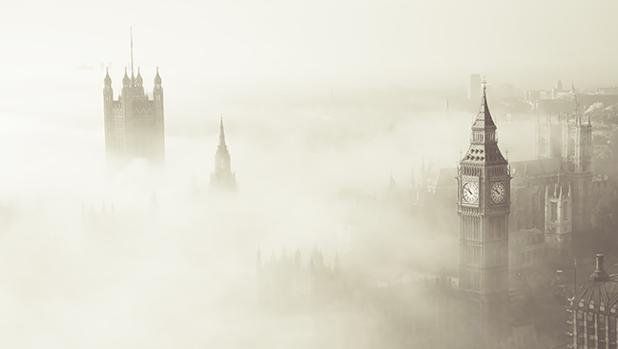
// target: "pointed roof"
[[108, 79], [223, 177], [483, 119], [221, 133], [157, 77], [125, 79], [483, 145], [139, 77]]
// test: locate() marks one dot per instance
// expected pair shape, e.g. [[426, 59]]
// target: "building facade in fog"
[[483, 207], [552, 193], [134, 123], [222, 177], [594, 311], [291, 282], [566, 143]]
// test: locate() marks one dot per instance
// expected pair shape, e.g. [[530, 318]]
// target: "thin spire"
[[125, 79], [108, 79], [484, 100], [138, 80], [484, 84], [157, 78], [483, 119], [221, 132], [131, 36]]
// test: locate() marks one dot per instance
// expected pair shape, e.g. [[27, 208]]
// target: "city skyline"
[[381, 174]]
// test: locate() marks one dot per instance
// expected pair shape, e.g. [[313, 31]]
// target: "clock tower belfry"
[[483, 207]]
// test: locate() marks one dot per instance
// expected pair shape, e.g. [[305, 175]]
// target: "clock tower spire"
[[483, 207]]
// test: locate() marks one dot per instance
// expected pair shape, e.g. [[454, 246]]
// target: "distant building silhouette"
[[527, 250], [134, 124], [222, 177], [569, 143], [102, 218], [558, 224], [291, 281]]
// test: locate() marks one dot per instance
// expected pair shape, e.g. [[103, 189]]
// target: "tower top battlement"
[[134, 122]]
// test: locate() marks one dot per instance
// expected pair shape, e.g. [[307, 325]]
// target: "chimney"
[[599, 273]]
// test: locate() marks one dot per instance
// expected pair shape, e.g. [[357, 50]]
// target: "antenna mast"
[[131, 35]]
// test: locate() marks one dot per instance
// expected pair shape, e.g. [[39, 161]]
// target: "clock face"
[[470, 192], [498, 192]]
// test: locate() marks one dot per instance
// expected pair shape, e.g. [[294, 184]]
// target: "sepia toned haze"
[[323, 102]]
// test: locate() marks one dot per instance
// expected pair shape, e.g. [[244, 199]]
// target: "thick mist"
[[333, 111], [150, 257]]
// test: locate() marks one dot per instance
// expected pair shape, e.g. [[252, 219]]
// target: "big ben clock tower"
[[483, 208]]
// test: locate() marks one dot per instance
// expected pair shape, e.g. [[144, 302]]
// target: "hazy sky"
[[340, 42], [172, 281]]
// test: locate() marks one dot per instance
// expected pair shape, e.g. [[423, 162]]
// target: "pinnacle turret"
[[108, 79], [221, 134], [125, 80], [157, 79], [139, 81]]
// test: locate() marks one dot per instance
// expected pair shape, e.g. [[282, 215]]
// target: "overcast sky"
[[419, 43], [187, 278]]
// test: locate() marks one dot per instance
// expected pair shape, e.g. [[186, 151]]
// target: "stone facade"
[[134, 124], [483, 207]]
